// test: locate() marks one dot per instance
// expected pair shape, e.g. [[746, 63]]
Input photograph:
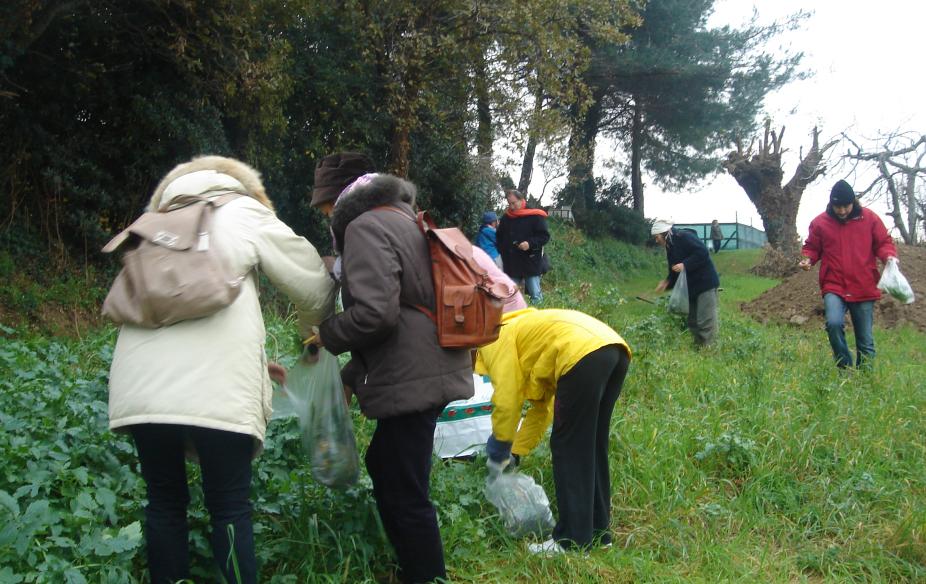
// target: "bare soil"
[[797, 300]]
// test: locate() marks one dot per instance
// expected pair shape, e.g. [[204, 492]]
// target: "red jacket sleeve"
[[882, 244], [812, 247]]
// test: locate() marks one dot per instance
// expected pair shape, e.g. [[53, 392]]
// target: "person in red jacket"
[[846, 239]]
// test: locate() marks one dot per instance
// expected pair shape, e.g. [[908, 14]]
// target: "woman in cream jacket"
[[201, 387]]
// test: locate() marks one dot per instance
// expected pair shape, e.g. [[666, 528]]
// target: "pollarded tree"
[[760, 174], [899, 159]]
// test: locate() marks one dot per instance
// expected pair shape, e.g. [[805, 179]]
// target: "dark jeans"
[[716, 243], [834, 308], [399, 463], [225, 460], [585, 399]]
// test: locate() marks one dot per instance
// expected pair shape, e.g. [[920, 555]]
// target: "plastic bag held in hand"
[[522, 503], [894, 283], [327, 429], [678, 301]]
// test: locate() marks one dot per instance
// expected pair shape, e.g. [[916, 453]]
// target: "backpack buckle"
[[165, 238]]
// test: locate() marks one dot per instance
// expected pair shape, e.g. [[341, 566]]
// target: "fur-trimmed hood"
[[210, 173], [383, 189]]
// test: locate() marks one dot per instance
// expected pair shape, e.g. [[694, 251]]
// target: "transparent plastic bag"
[[521, 502], [317, 396], [895, 284], [678, 301]]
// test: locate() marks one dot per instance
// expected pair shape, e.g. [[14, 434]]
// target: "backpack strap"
[[419, 307]]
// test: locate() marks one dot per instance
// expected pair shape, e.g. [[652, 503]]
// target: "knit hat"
[[660, 226], [335, 172], [842, 194], [489, 217]]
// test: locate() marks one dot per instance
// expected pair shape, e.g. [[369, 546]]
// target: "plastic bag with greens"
[[894, 283], [678, 301], [522, 504], [324, 420]]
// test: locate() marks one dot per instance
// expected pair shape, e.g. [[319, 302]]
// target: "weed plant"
[[754, 460]]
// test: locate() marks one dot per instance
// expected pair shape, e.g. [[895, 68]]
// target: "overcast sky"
[[865, 57]]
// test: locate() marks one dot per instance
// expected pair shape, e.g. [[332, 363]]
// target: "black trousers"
[[585, 399], [399, 463], [225, 460]]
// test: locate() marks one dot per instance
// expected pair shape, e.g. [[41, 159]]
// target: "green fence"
[[735, 235]]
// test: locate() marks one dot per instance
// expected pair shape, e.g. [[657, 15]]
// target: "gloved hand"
[[498, 455], [496, 468]]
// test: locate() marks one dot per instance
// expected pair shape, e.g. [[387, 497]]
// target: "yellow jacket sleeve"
[[538, 419], [499, 361]]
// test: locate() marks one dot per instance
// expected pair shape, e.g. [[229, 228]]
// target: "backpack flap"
[[459, 298], [171, 273]]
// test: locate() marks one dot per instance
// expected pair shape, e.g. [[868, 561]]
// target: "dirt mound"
[[797, 299]]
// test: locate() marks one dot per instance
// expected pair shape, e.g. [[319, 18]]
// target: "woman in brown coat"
[[401, 376]]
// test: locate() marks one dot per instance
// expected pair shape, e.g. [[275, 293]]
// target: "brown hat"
[[334, 172]]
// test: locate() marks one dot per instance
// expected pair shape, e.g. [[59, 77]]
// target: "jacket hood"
[[210, 173], [383, 189], [856, 211]]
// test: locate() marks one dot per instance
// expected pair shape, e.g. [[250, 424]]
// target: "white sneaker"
[[547, 548]]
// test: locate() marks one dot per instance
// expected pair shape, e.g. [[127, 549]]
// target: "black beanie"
[[334, 172], [842, 194]]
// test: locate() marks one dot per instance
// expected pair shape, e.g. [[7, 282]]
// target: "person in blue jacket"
[[486, 238], [685, 252]]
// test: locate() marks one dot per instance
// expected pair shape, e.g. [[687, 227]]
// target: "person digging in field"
[[401, 376], [846, 239], [571, 368], [201, 387], [685, 252]]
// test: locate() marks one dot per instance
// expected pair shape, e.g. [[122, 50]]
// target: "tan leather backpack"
[[171, 271], [468, 301]]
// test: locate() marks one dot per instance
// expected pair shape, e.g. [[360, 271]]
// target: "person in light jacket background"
[[401, 376], [847, 239], [201, 387], [570, 367], [716, 235]]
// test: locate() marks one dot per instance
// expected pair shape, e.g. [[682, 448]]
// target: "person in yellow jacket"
[[582, 362]]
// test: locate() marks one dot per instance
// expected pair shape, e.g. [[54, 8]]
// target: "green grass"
[[752, 461]]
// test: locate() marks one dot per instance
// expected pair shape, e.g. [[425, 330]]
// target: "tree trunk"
[[527, 165], [912, 214], [483, 111], [581, 181], [405, 120], [636, 157], [778, 210]]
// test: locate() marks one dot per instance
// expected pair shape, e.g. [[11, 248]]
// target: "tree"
[[676, 93], [760, 175], [899, 160], [149, 84]]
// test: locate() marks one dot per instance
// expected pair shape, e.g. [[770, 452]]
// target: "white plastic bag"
[[465, 425], [522, 504], [678, 301], [327, 428], [894, 283]]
